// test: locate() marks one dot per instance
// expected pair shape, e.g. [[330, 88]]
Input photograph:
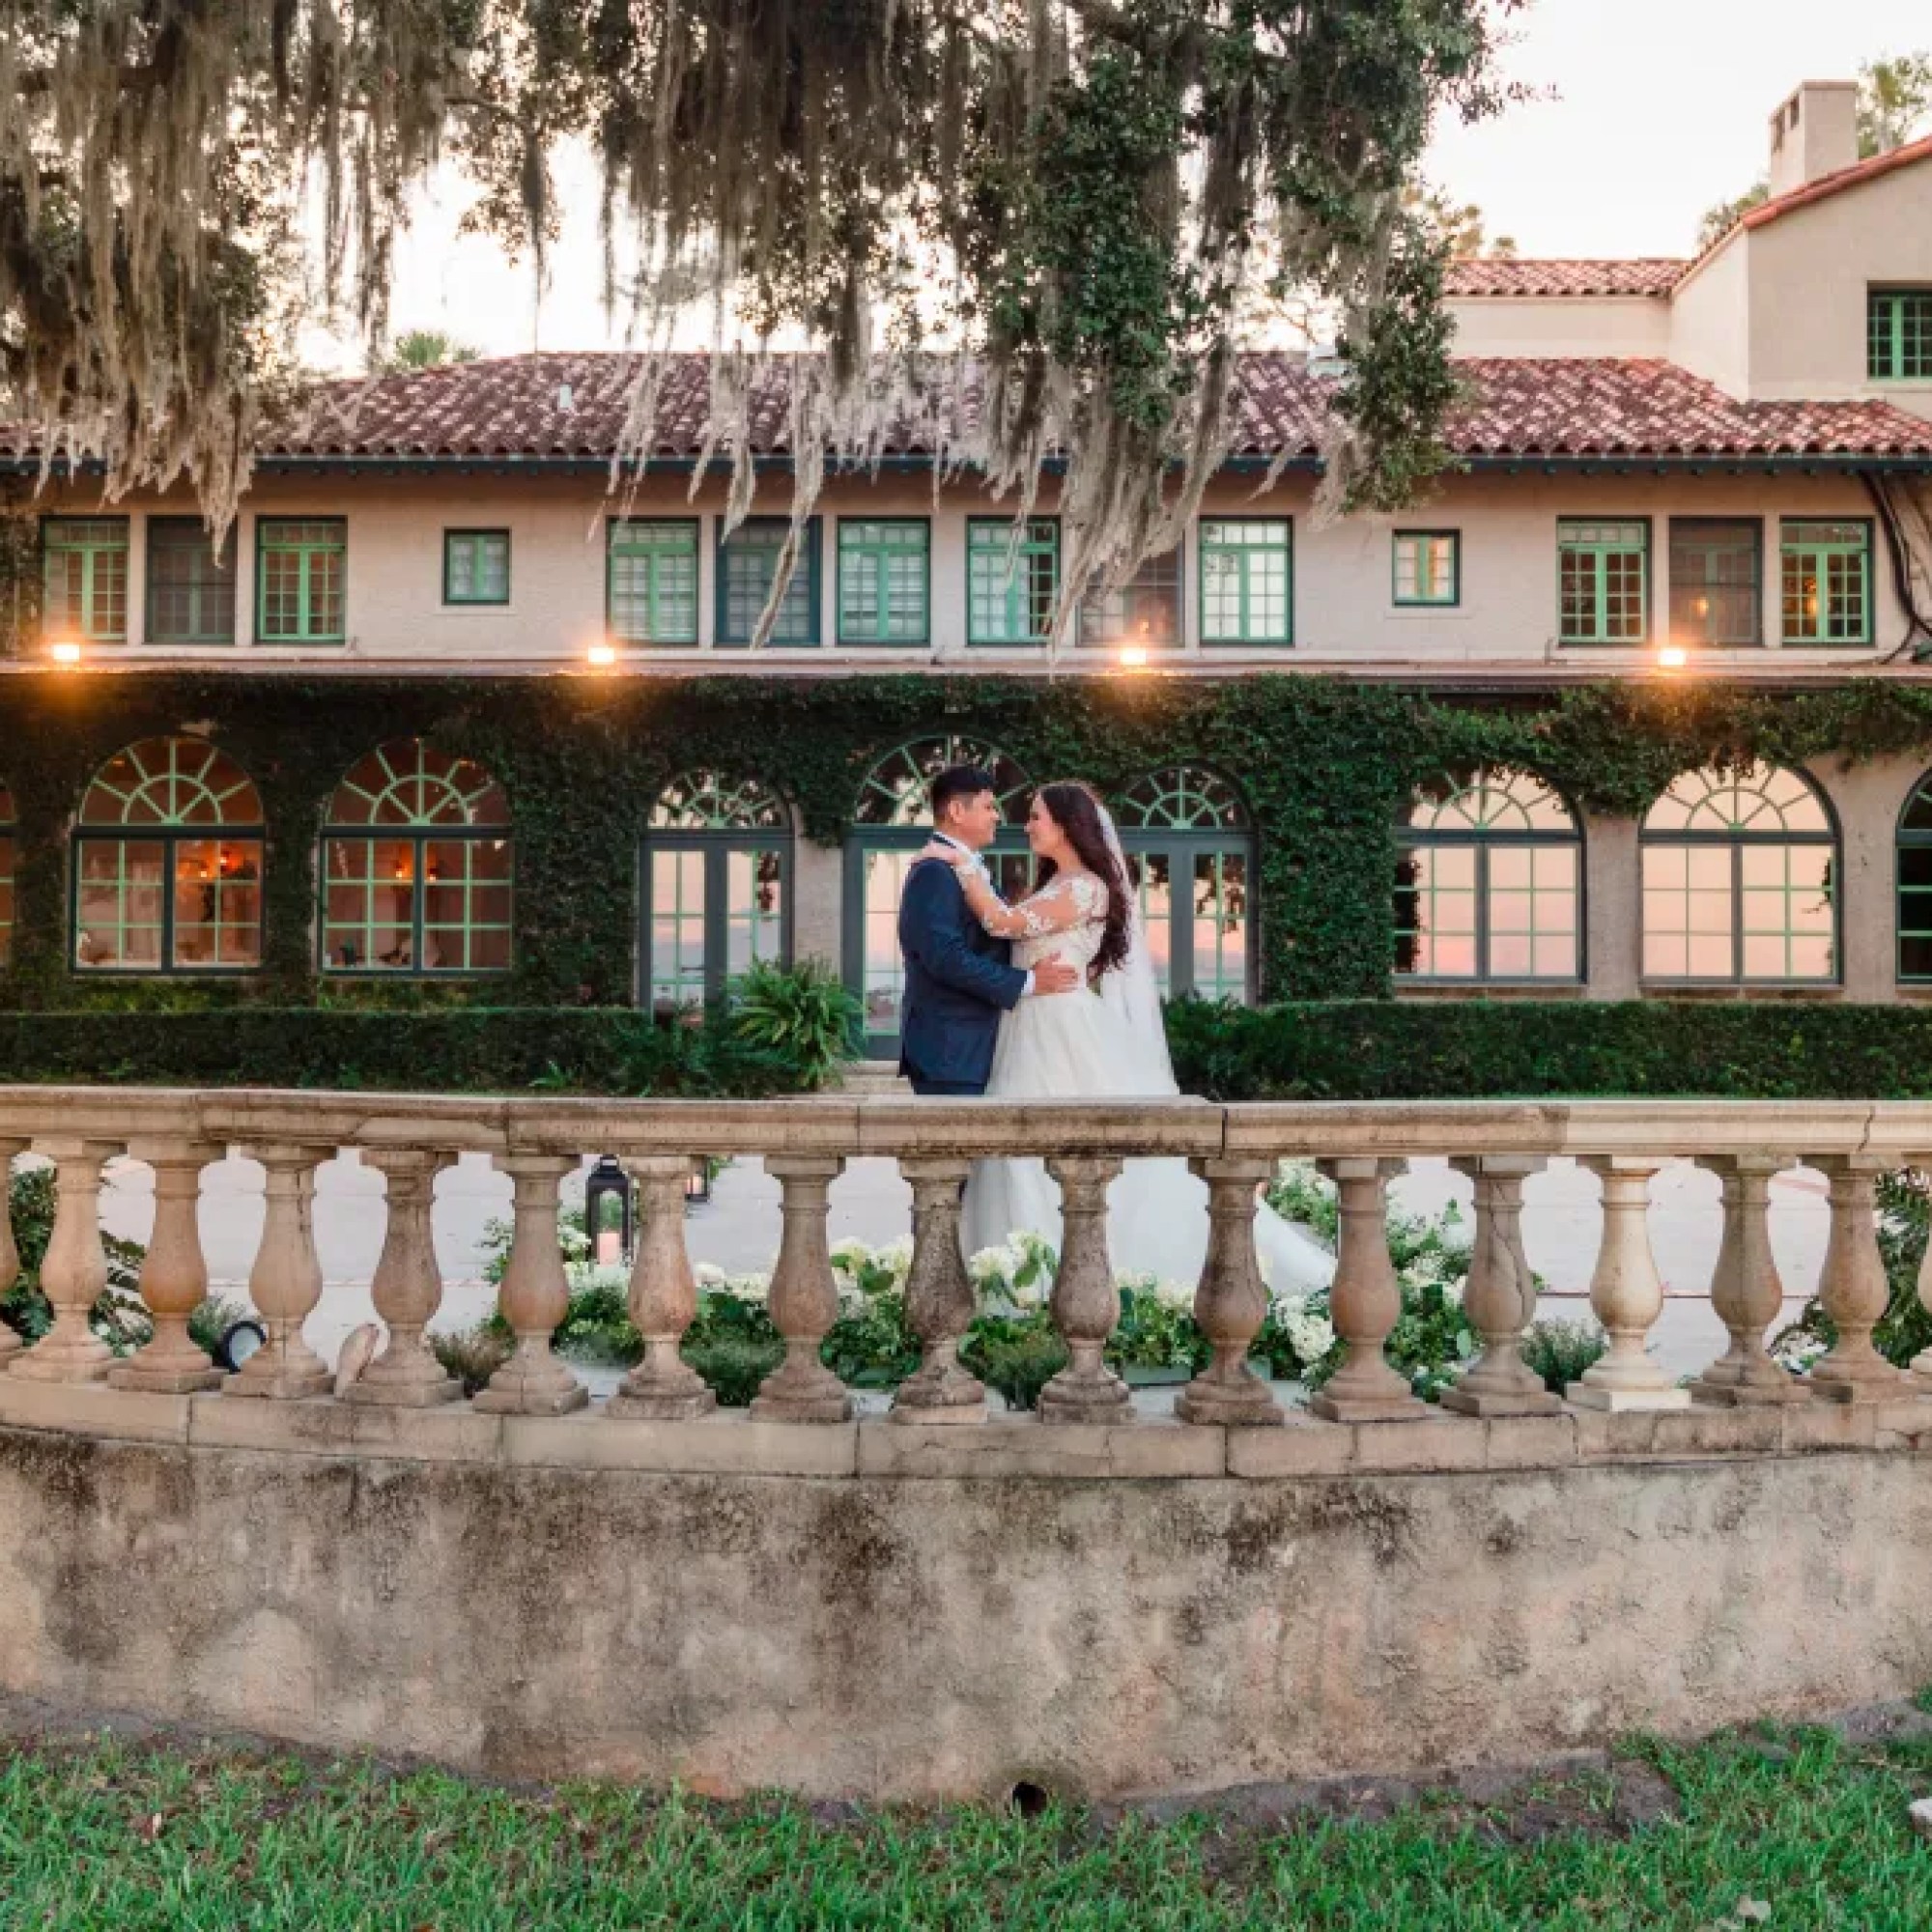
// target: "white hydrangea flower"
[[851, 1254], [708, 1274]]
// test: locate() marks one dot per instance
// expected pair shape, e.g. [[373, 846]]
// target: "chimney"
[[1814, 132]]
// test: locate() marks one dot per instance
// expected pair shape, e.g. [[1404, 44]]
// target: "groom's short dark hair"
[[958, 781]]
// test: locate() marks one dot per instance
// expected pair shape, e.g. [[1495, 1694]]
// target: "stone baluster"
[[1230, 1302], [74, 1270], [1746, 1293], [1086, 1302], [407, 1288], [805, 1302], [11, 1344], [1626, 1295], [1852, 1289], [285, 1284], [1500, 1298], [939, 1301], [174, 1275], [1364, 1302], [664, 1388], [534, 1295]]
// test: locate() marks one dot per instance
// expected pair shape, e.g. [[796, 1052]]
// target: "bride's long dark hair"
[[1074, 809]]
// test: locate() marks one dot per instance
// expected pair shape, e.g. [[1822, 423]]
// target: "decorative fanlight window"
[[717, 868], [1489, 884], [167, 863], [891, 822], [418, 865], [1188, 840], [1739, 879]]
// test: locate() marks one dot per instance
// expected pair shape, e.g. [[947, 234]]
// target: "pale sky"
[[1656, 109]]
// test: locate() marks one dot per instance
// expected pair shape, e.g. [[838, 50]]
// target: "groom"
[[957, 981]]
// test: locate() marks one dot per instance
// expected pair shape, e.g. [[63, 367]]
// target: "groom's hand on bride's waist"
[[1057, 976]]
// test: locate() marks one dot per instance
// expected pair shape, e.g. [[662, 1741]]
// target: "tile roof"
[[1839, 178], [1497, 276]]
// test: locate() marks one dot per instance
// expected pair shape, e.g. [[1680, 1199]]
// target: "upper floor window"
[[884, 569], [1190, 854], [1915, 884], [85, 574], [1737, 879], [1827, 583], [1012, 580], [748, 566], [168, 862], [475, 566], [190, 583], [1143, 611], [1247, 580], [651, 580], [300, 579], [6, 875], [1489, 883], [1602, 575], [1716, 592], [1898, 335], [416, 865], [1427, 567]]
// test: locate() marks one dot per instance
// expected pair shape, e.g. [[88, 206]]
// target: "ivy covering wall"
[[1323, 763]]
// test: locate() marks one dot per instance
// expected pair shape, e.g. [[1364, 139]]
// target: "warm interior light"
[[66, 652], [1133, 657], [1673, 657], [602, 655]]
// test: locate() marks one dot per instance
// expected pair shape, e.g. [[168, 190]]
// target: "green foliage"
[[118, 1317], [1015, 1355], [1560, 1352], [473, 1355], [803, 1015], [1905, 1216]]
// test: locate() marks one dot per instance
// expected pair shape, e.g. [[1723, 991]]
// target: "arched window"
[[1915, 884], [1489, 881], [416, 863], [1188, 840], [1739, 879], [717, 871], [894, 816], [168, 862], [6, 876]]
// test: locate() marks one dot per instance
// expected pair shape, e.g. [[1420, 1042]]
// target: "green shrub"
[[1560, 1352], [733, 1366], [472, 1355], [803, 1014], [1015, 1355]]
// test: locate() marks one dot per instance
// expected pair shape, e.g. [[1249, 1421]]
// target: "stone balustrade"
[[805, 1144]]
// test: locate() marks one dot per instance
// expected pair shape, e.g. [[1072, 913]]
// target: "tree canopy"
[[1083, 196]]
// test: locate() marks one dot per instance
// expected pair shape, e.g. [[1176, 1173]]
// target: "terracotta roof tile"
[[1839, 178], [1475, 275]]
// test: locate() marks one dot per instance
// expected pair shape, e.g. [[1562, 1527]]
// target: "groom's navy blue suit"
[[957, 983]]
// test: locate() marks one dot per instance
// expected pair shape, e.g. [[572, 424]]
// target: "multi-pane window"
[[85, 575], [652, 584], [167, 863], [300, 579], [1737, 879], [1898, 335], [1191, 853], [1143, 611], [1427, 567], [190, 583], [6, 875], [1827, 583], [1247, 580], [892, 821], [1915, 884], [884, 579], [1602, 578], [717, 861], [1489, 881], [475, 566], [748, 566], [1012, 580], [418, 865], [1716, 582]]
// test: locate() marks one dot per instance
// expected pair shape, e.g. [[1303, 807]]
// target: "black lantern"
[[605, 1180], [697, 1182]]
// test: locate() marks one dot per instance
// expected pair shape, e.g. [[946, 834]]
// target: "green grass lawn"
[[1787, 1829]]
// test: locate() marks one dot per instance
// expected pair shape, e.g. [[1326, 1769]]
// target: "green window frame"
[[885, 581], [190, 585], [1717, 580], [1602, 580], [1825, 580], [84, 574], [1012, 580], [1913, 886], [1425, 569], [650, 580], [1145, 611], [301, 569], [475, 567], [747, 566], [7, 827], [1247, 579], [1190, 852], [1898, 335]]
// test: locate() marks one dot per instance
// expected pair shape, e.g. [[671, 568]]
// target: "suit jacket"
[[958, 981]]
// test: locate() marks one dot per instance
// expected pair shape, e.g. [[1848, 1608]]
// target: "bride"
[[1103, 1041]]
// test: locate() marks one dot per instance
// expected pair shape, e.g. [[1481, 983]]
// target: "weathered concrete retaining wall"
[[912, 1635]]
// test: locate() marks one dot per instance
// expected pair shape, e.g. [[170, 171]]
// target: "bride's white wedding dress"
[[1105, 1044]]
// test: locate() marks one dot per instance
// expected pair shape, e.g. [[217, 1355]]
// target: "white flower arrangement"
[[585, 1276], [1310, 1331]]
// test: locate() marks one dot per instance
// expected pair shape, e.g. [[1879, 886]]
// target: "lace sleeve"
[[1061, 906]]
